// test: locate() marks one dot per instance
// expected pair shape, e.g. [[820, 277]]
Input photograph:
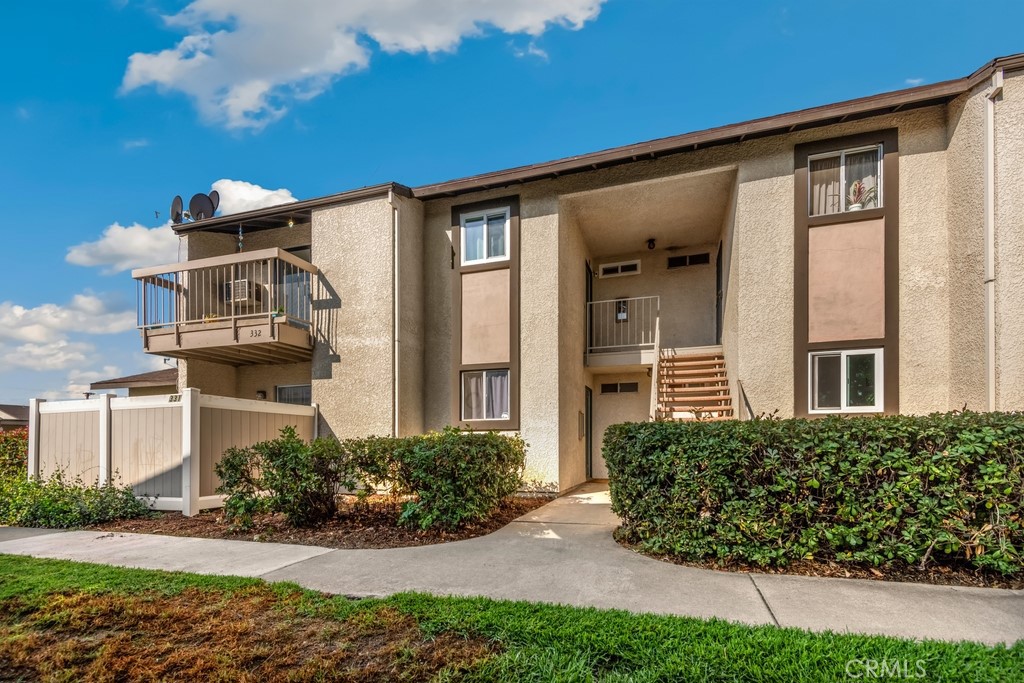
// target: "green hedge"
[[57, 503], [14, 452], [945, 488], [452, 477]]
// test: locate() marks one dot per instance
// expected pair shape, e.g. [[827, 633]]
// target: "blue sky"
[[110, 108]]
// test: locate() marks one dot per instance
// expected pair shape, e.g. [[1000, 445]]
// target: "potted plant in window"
[[860, 194]]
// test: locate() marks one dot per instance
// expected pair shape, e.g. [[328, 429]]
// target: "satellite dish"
[[176, 210], [215, 198], [200, 207]]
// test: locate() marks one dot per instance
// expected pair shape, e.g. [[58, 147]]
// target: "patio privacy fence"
[[164, 447]]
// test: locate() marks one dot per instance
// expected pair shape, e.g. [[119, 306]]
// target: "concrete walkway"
[[564, 553]]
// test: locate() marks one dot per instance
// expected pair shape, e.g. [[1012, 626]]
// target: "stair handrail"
[[743, 397], [656, 366]]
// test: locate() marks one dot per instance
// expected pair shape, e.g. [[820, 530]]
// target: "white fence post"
[[189, 452], [33, 436], [104, 434]]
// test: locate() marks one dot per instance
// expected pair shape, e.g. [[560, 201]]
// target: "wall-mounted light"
[[291, 222], [650, 243], [261, 395]]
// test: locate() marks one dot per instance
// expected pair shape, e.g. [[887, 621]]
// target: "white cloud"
[[237, 196], [55, 355], [244, 62], [531, 50], [50, 323], [914, 81], [125, 247], [137, 143]]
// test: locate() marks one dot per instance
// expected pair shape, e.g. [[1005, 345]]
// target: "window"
[[689, 260], [485, 395], [485, 236], [620, 388], [299, 394], [619, 269], [846, 381], [849, 180]]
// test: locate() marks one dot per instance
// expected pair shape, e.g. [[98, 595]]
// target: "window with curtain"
[[485, 236], [848, 180], [485, 395]]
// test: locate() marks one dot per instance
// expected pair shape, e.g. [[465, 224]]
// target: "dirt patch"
[[935, 575], [254, 635], [367, 524]]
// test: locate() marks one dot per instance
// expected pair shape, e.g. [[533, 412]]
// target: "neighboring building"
[[865, 256], [154, 383], [12, 417]]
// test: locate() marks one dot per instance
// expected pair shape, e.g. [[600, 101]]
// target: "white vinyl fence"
[[164, 447]]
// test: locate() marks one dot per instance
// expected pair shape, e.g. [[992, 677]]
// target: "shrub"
[[451, 477], [286, 476], [14, 452], [60, 504], [877, 490]]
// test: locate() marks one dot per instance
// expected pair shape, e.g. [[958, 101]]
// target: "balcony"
[[242, 309], [623, 333]]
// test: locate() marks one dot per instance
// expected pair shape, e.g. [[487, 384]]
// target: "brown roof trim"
[[278, 216], [863, 107], [157, 378]]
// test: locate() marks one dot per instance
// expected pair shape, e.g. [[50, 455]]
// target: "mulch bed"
[[367, 524], [936, 575], [254, 635]]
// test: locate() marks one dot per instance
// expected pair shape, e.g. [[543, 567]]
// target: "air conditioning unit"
[[241, 292]]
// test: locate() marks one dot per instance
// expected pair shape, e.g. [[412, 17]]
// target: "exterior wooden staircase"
[[693, 387]]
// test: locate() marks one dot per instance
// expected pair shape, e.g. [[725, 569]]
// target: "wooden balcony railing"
[[254, 307]]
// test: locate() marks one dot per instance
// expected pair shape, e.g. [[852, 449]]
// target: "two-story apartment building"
[[865, 256]]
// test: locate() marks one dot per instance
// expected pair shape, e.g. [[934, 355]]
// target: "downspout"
[[396, 327], [991, 94]]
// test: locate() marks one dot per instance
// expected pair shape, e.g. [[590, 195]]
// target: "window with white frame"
[[485, 395], [847, 180], [846, 381], [485, 236]]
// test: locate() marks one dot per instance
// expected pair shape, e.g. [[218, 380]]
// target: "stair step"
[[687, 358], [673, 389], [695, 400], [689, 362], [687, 417], [669, 372]]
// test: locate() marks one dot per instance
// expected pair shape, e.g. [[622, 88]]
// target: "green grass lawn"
[[71, 621]]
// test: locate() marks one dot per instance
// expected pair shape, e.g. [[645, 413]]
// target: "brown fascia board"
[[156, 378], [829, 114], [278, 216]]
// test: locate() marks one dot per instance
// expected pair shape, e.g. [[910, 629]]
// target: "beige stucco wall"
[[572, 292], [352, 365], [1009, 192], [965, 245], [612, 409], [730, 312], [207, 377], [924, 263], [411, 328], [686, 295], [252, 378]]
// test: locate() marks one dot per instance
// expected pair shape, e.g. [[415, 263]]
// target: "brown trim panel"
[[890, 212], [458, 270]]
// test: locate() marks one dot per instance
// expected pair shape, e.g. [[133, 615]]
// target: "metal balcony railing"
[[622, 324], [271, 284]]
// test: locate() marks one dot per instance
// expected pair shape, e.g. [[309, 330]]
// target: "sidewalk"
[[563, 553]]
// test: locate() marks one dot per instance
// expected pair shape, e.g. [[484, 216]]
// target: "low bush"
[[14, 452], [450, 477], [57, 503], [944, 488]]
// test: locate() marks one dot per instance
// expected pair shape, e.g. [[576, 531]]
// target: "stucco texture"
[[1009, 228]]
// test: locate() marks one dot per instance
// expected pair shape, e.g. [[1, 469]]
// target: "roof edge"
[[292, 208]]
